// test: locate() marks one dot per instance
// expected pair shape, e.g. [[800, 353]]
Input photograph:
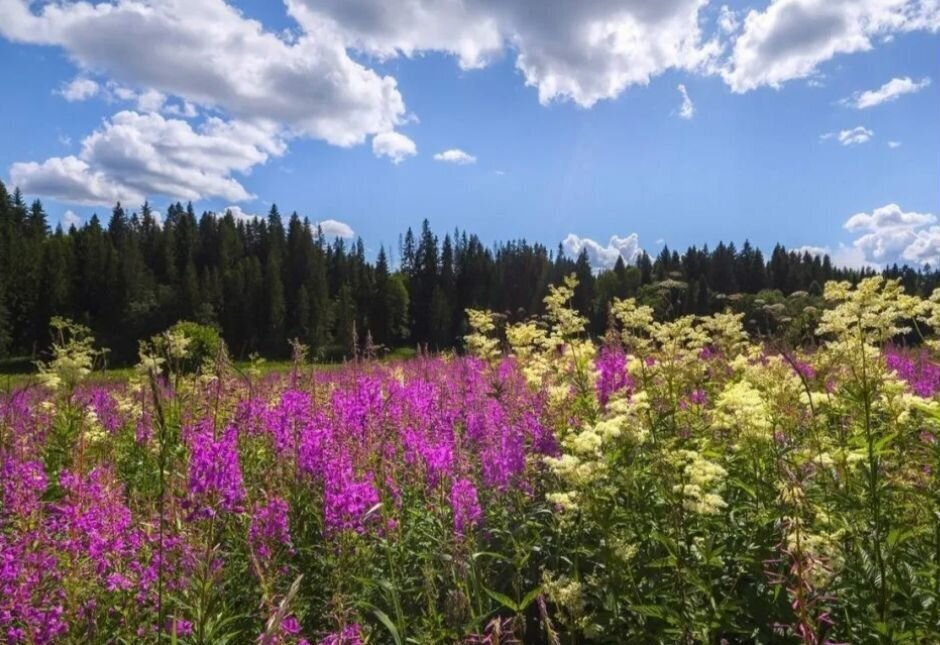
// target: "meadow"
[[676, 481]]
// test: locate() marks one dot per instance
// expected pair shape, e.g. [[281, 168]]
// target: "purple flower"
[[23, 483], [349, 635], [612, 376], [270, 528], [215, 475], [921, 374], [347, 500], [465, 505]]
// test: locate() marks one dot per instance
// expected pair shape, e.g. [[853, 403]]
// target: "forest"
[[262, 282]]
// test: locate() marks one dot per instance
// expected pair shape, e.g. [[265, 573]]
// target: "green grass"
[[20, 372]]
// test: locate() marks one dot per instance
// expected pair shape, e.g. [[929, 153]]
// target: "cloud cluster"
[[790, 39], [455, 156], [208, 53], [601, 256], [205, 57], [134, 155], [579, 51], [890, 234]]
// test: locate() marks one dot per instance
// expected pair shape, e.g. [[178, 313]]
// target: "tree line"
[[263, 281]]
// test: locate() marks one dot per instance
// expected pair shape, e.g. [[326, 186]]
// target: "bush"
[[202, 343]]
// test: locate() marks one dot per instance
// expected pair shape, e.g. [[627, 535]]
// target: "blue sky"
[[343, 109]]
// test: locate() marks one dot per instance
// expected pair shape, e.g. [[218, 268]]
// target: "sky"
[[605, 125]]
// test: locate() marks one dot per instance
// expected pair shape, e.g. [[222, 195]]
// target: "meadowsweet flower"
[[741, 408], [702, 479]]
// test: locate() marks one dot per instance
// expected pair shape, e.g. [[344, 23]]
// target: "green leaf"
[[389, 625], [529, 597], [489, 554], [502, 599]]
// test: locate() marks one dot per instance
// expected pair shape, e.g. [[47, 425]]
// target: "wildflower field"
[[675, 482]]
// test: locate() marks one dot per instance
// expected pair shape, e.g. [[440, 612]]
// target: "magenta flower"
[[215, 475], [270, 528], [465, 506]]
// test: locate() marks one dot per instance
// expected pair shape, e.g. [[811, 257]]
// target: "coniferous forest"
[[261, 282]]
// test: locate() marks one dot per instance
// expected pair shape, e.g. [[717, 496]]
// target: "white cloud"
[[455, 156], [840, 256], [855, 136], [728, 20], [894, 144], [133, 156], [604, 257], [238, 214], [335, 228], [79, 89], [789, 39], [70, 219], [887, 217], [579, 51], [208, 53], [890, 91], [185, 109], [687, 109], [393, 145], [150, 101], [890, 234], [72, 180]]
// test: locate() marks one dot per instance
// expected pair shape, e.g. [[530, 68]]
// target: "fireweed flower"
[[349, 635], [270, 528], [21, 484], [465, 506], [612, 375], [918, 371], [347, 499], [215, 477]]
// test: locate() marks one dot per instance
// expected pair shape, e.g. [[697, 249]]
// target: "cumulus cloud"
[[208, 53], [455, 156], [393, 145], [789, 39], [890, 91], [72, 180], [889, 234], [70, 219], [579, 51], [841, 256], [687, 109], [335, 228], [851, 137], [601, 256], [238, 214], [133, 156], [894, 144], [79, 89]]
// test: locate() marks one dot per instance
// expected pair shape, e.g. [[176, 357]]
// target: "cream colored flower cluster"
[[701, 482]]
